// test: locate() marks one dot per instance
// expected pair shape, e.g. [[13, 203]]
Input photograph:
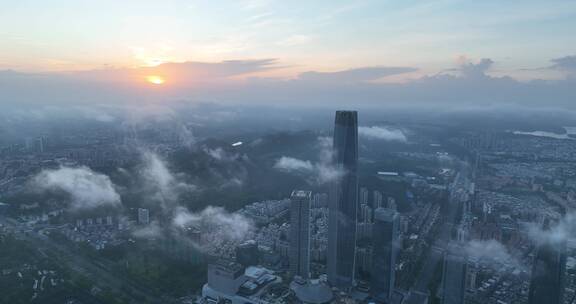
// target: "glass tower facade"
[[300, 233], [343, 205], [548, 272], [385, 247]]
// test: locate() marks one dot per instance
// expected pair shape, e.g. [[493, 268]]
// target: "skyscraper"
[[300, 233], [364, 196], [454, 275], [143, 216], [247, 253], [343, 206], [378, 200], [548, 271], [384, 250]]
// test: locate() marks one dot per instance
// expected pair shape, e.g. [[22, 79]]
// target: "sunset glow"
[[157, 80]]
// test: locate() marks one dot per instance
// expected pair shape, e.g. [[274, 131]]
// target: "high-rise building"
[[320, 200], [247, 253], [454, 275], [378, 200], [299, 252], [143, 216], [343, 205], [384, 250], [548, 272], [363, 196], [365, 213]]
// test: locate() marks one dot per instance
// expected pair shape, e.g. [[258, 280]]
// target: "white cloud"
[[149, 231], [166, 186], [221, 154], [493, 254], [383, 133], [320, 172], [214, 221], [562, 231], [286, 163], [87, 189]]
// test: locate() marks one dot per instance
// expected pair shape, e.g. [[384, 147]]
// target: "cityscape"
[[477, 217], [288, 152]]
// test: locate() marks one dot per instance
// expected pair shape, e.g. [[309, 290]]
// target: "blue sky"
[[302, 35]]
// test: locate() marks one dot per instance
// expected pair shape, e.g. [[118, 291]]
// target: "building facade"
[[299, 251], [343, 206], [385, 248]]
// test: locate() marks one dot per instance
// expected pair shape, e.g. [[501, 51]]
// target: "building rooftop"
[[301, 193], [313, 292]]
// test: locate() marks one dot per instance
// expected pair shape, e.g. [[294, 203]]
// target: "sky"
[[171, 49]]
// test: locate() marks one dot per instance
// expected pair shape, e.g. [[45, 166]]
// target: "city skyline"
[[288, 152]]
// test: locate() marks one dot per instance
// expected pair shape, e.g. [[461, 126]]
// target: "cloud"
[[321, 172], [565, 64], [214, 222], [186, 136], [469, 84], [124, 85], [286, 163], [203, 71], [563, 230], [356, 75], [383, 133], [221, 154], [476, 70], [152, 230], [493, 254], [165, 186], [87, 189]]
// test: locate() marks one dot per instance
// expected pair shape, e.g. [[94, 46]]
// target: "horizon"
[[268, 52]]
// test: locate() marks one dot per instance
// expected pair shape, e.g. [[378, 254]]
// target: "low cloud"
[[286, 163], [165, 186], [321, 172], [214, 223], [565, 64], [468, 84], [563, 230], [87, 189], [382, 133], [221, 154], [476, 70], [150, 231], [356, 75], [493, 254]]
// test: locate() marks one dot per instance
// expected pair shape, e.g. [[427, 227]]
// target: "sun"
[[157, 80]]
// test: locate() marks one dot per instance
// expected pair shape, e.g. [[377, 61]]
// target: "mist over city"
[[273, 152]]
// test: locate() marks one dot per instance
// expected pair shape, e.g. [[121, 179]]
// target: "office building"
[[343, 205], [247, 253], [384, 250], [299, 251], [548, 274], [454, 275], [231, 283], [143, 216]]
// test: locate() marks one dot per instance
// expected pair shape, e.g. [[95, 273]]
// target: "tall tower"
[[343, 206], [300, 233], [385, 248], [548, 272], [454, 275]]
